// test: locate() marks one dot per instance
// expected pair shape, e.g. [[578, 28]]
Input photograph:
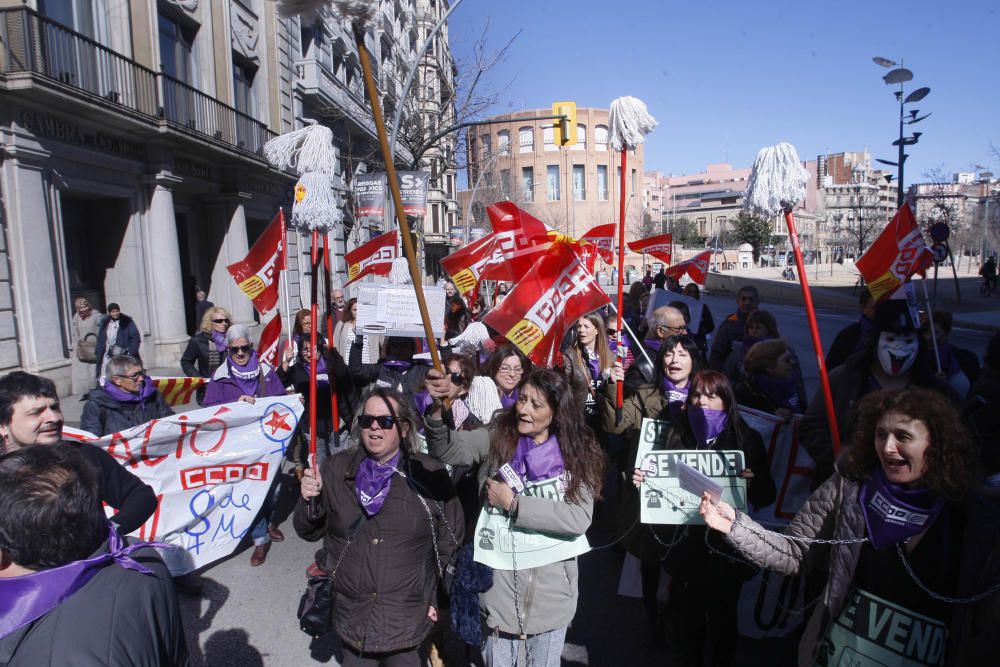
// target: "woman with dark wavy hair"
[[912, 539], [543, 448]]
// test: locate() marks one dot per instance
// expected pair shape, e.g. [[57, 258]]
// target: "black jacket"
[[119, 488], [128, 337], [120, 617], [103, 414], [200, 358], [297, 377]]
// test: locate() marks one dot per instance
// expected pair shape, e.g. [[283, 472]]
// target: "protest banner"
[[391, 310], [661, 297], [413, 192], [369, 195], [210, 470], [501, 545]]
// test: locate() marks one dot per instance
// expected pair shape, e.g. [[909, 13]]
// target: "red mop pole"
[[314, 290], [831, 415], [621, 279], [334, 411]]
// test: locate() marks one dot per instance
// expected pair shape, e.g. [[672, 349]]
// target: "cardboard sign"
[[210, 470], [391, 310], [502, 546]]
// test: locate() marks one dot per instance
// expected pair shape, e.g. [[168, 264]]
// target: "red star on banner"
[[277, 421]]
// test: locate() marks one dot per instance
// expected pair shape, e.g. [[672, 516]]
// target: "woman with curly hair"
[[541, 438], [913, 547]]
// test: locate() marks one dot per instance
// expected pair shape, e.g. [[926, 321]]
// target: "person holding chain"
[[908, 541], [390, 521]]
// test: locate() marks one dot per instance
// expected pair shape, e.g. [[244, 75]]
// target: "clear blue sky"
[[727, 78]]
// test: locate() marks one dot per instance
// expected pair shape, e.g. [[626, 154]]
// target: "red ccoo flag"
[[267, 348], [660, 247], [257, 275], [896, 255], [521, 238], [545, 302], [374, 257], [466, 265], [696, 267], [603, 237]]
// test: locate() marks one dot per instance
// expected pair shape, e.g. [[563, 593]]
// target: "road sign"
[[940, 232]]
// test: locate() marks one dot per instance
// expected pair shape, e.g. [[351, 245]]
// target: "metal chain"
[[938, 596], [797, 538], [517, 603]]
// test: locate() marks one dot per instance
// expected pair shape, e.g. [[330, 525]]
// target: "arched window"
[[526, 139], [581, 138], [601, 137], [503, 142], [549, 138]]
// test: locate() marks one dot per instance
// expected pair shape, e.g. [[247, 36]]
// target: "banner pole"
[[284, 282], [334, 412], [313, 330], [930, 323], [619, 396], [638, 343]]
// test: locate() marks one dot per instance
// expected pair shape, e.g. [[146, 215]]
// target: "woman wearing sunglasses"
[[544, 443], [243, 377], [206, 350], [390, 522]]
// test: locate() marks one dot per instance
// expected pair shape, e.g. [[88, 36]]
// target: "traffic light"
[[564, 129]]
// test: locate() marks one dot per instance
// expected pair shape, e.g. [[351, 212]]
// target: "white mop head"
[[399, 274], [777, 180], [307, 150], [629, 123], [474, 335], [357, 12], [316, 205]]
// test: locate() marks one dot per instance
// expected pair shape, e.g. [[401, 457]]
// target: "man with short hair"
[[126, 398], [30, 415], [71, 592], [731, 329]]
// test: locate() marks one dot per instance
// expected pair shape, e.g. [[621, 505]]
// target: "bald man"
[[664, 322]]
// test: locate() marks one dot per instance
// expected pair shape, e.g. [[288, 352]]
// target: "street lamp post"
[[901, 75]]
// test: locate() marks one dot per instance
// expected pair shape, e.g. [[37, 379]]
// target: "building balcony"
[[41, 55], [328, 91]]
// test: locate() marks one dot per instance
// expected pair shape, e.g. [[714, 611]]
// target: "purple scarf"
[[397, 365], [322, 374], [750, 341], [594, 361], [27, 598], [780, 391], [507, 400], [676, 396], [706, 423], [146, 390], [371, 486], [534, 461], [894, 514], [245, 376], [653, 344], [220, 341]]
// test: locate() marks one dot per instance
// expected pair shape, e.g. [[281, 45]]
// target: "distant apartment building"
[[857, 201], [969, 205], [570, 188]]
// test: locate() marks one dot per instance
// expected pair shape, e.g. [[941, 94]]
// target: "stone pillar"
[[225, 292], [164, 265]]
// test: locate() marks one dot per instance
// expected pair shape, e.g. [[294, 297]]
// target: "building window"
[[436, 217], [505, 183], [243, 97], [549, 138], [528, 183], [579, 183], [633, 180], [487, 145], [175, 49], [601, 137], [526, 139], [618, 176], [581, 138], [503, 142], [552, 185], [701, 226], [602, 182]]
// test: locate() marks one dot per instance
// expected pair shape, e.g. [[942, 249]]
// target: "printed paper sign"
[[413, 191], [210, 470], [391, 310], [502, 546], [872, 632]]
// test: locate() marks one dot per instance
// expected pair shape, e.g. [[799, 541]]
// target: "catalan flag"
[[178, 391]]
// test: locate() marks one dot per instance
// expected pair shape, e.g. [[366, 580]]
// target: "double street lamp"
[[901, 75]]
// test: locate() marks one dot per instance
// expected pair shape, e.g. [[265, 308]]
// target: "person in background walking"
[[85, 325], [201, 305], [732, 328], [117, 334]]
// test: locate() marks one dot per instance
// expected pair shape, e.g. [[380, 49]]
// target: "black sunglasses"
[[457, 378], [135, 376], [236, 349], [384, 421], [224, 320]]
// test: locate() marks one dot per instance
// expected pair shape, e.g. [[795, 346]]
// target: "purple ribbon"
[[894, 514], [27, 598], [245, 376], [507, 400], [706, 423], [220, 341], [676, 397], [371, 485], [146, 389], [536, 461]]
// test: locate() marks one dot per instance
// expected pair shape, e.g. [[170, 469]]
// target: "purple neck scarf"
[[220, 341], [653, 344], [781, 391], [676, 396], [245, 376], [146, 389], [706, 423], [894, 514], [371, 486], [27, 598], [594, 362], [507, 400], [750, 341], [322, 374], [534, 461]]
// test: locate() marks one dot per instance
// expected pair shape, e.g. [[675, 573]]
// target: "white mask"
[[897, 352]]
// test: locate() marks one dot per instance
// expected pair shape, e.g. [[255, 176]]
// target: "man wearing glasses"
[[664, 322], [126, 398]]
